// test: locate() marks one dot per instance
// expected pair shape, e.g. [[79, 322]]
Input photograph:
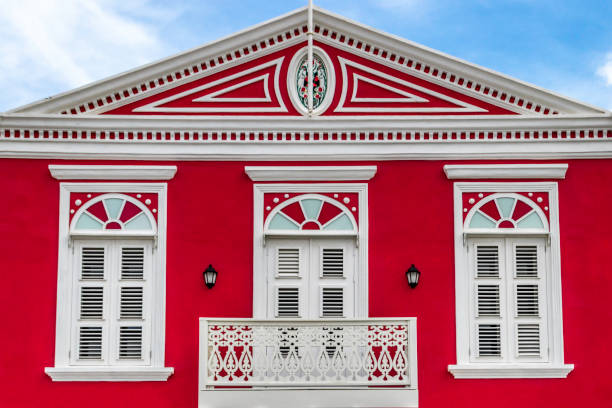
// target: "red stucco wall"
[[410, 222]]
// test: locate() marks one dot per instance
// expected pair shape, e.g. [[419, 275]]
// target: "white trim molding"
[[310, 173], [64, 369], [553, 365], [93, 172], [310, 398], [304, 139], [260, 286], [510, 371], [505, 171], [109, 373]]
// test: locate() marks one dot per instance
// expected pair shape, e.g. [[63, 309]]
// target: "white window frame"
[[64, 370], [260, 264], [554, 367]]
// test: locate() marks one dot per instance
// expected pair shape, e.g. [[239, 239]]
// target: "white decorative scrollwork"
[[272, 353]]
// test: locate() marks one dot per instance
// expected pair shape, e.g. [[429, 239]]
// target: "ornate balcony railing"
[[307, 353]]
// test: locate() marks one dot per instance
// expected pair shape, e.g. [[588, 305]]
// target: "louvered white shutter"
[[112, 321], [90, 343], [288, 262], [311, 278], [332, 264], [90, 331], [332, 284], [132, 263], [287, 302], [132, 289], [528, 289], [130, 342], [508, 302], [287, 277], [487, 277], [332, 302]]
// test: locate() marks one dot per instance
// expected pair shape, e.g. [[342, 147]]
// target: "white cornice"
[[302, 123], [505, 171], [92, 172], [314, 151], [310, 173], [510, 371], [303, 139]]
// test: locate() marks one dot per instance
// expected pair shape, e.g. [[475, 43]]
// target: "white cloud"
[[605, 71], [59, 45]]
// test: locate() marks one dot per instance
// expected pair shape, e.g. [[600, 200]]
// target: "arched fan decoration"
[[506, 211], [112, 213], [311, 212]]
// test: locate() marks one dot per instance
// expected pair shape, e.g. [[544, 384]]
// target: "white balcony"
[[308, 363]]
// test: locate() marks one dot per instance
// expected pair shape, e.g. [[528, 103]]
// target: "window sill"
[[510, 371], [83, 373]]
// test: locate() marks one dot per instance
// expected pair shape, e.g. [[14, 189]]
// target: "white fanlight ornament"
[[508, 213], [311, 214], [113, 214]]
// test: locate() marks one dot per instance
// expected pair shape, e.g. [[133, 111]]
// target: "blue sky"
[[51, 46]]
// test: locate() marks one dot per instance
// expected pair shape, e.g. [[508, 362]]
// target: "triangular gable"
[[249, 73], [361, 87], [250, 89], [372, 90]]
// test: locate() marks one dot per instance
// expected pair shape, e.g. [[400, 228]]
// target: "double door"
[[311, 278]]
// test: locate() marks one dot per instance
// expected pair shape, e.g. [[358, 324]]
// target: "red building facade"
[[121, 193]]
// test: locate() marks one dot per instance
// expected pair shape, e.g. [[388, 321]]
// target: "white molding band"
[[267, 124], [510, 371], [109, 373], [259, 260], [309, 398], [505, 171], [310, 173], [302, 152], [63, 369], [466, 367], [319, 138], [89, 172]]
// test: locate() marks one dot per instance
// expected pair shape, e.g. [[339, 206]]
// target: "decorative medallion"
[[319, 82]]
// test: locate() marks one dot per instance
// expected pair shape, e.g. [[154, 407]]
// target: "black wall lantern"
[[210, 276], [413, 275]]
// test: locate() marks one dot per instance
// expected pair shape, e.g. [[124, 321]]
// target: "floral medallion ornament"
[[319, 83]]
